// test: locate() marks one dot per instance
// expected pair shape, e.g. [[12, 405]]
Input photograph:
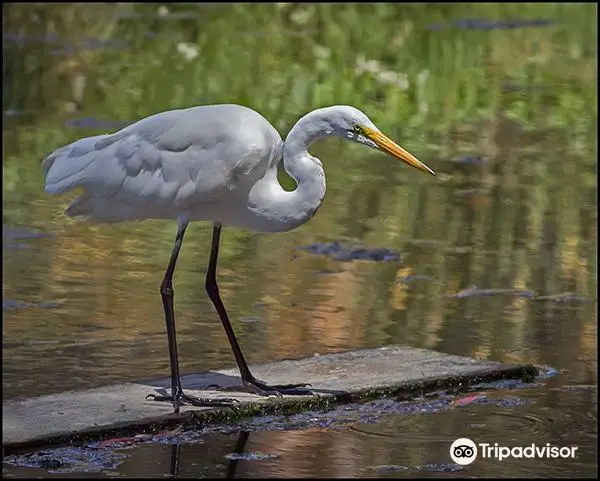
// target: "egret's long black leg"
[[177, 396], [213, 292]]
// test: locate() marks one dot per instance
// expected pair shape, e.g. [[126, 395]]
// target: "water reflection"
[[82, 306], [238, 449], [88, 311], [400, 445]]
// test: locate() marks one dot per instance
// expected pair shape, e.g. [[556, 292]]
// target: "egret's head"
[[352, 124]]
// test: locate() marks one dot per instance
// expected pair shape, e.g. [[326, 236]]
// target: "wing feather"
[[169, 160]]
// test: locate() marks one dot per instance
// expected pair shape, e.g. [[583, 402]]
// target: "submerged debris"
[[390, 468], [433, 467], [558, 298], [338, 252], [565, 297], [12, 304], [70, 459], [256, 456], [346, 415], [439, 468], [475, 291]]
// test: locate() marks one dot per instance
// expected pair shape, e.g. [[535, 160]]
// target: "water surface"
[[492, 266], [495, 258]]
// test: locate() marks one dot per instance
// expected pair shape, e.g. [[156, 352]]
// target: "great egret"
[[209, 163]]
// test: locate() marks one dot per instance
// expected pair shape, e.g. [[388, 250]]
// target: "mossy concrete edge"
[[289, 405]]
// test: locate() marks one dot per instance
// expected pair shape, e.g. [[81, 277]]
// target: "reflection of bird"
[[216, 163]]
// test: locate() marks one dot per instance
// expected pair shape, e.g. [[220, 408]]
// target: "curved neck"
[[278, 209]]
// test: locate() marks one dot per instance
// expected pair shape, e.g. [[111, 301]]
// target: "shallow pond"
[[495, 258]]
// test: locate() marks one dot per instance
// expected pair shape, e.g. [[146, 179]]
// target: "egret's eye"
[[356, 128]]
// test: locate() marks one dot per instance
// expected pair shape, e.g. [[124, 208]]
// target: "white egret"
[[213, 163]]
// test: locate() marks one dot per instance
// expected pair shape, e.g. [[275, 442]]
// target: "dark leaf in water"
[[338, 252]]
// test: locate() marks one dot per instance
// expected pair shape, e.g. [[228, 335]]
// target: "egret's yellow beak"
[[392, 148]]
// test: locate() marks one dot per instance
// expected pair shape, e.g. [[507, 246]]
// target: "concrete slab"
[[399, 371]]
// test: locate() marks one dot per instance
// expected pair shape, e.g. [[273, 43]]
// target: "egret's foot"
[[278, 390], [183, 398], [262, 389]]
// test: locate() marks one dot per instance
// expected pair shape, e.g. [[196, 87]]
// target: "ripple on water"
[[522, 427], [471, 422]]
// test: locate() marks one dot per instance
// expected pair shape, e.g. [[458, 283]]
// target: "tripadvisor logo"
[[532, 451], [464, 451]]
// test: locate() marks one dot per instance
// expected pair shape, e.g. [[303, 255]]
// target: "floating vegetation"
[[338, 252], [70, 459]]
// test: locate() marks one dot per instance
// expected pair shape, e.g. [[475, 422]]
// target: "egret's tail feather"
[[83, 206], [102, 209], [65, 168]]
